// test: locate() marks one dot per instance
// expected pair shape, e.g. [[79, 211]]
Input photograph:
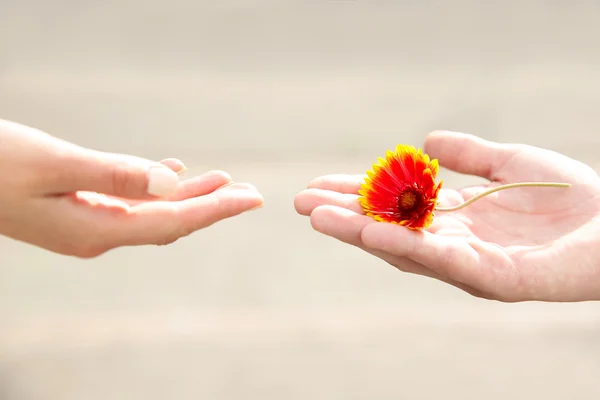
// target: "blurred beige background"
[[276, 93]]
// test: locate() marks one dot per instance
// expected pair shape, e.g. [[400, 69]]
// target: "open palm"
[[81, 202], [513, 245]]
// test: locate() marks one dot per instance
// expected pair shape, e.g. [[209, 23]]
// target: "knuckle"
[[452, 263], [124, 179], [172, 236], [166, 240], [448, 257], [119, 178], [175, 231], [168, 237]]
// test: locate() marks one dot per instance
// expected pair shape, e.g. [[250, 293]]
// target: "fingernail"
[[182, 170], [162, 182], [437, 132], [175, 164]]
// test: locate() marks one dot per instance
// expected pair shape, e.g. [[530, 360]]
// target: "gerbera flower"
[[401, 188]]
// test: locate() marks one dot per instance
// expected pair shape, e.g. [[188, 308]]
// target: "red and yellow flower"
[[401, 188]]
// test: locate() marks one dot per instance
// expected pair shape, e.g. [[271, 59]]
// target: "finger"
[[307, 200], [194, 187], [409, 266], [468, 154], [201, 185], [347, 184], [340, 223], [347, 226], [165, 222], [350, 184], [175, 165], [450, 257], [112, 174]]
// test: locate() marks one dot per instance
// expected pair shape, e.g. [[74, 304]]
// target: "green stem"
[[502, 187]]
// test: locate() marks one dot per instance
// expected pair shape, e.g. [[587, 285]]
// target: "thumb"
[[113, 174], [468, 154]]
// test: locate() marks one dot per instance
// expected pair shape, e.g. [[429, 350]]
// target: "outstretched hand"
[[514, 245], [81, 202]]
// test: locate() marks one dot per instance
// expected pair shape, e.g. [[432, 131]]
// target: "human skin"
[[81, 202], [515, 245]]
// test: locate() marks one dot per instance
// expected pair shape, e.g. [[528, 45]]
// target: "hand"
[[514, 245], [80, 202]]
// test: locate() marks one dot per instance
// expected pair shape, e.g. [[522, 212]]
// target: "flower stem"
[[502, 187]]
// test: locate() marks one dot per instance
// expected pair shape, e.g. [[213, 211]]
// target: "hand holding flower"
[[523, 243]]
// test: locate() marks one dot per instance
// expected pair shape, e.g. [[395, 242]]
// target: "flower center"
[[408, 200]]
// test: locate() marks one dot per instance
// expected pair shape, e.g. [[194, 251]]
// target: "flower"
[[401, 188]]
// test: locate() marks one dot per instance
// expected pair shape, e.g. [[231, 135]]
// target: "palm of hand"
[[525, 216], [518, 233]]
